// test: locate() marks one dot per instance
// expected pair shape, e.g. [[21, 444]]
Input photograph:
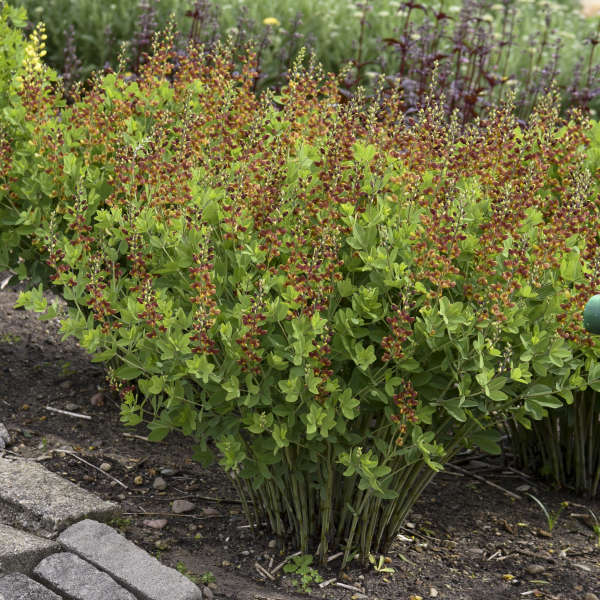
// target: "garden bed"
[[463, 540]]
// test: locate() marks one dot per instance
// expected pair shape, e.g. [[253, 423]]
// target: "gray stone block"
[[77, 579], [128, 564], [20, 551], [53, 500], [17, 586]]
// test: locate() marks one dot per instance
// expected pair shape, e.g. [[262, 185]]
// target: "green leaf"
[[570, 267], [363, 357], [200, 367], [487, 440], [104, 356], [291, 388], [280, 435], [349, 404], [496, 395], [454, 409], [232, 387], [158, 432], [128, 372]]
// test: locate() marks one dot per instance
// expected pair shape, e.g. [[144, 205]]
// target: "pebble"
[[272, 543], [209, 511], [535, 569], [590, 596], [167, 471], [106, 467], [97, 399], [523, 488], [433, 593], [155, 523], [5, 438], [207, 593], [159, 484], [182, 506], [71, 406]]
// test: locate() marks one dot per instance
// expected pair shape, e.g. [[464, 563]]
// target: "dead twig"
[[68, 413], [486, 481], [284, 562], [348, 587], [137, 437], [262, 571], [519, 473], [89, 464]]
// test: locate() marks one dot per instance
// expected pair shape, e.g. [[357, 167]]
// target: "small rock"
[[207, 593], [155, 523], [272, 543], [535, 569], [161, 544], [410, 525], [544, 533], [433, 593], [167, 471], [523, 488], [138, 480], [181, 506], [225, 563], [159, 484], [71, 406], [590, 596], [97, 399], [106, 467], [65, 385], [4, 437], [209, 511]]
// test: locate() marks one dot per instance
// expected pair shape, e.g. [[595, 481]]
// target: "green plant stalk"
[[362, 496], [552, 447], [590, 446], [580, 466], [326, 505], [349, 488]]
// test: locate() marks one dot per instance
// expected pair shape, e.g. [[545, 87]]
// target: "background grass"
[[333, 28]]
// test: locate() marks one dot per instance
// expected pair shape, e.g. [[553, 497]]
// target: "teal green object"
[[591, 314]]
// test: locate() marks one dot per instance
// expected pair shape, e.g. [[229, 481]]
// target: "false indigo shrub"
[[338, 300]]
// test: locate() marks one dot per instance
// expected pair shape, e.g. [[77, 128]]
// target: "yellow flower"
[[271, 21]]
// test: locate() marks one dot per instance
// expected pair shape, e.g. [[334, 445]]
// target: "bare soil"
[[465, 540]]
